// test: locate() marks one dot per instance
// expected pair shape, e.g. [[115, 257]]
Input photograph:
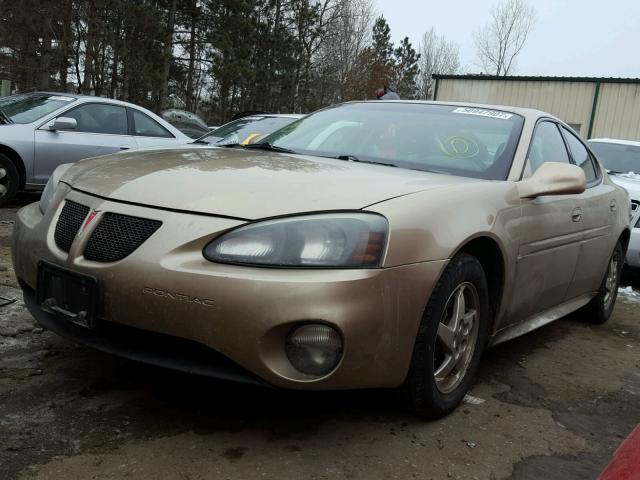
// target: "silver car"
[[41, 130]]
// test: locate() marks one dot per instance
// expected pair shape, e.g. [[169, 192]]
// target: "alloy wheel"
[[611, 281], [456, 337]]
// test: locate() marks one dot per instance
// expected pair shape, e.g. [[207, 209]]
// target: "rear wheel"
[[600, 308], [450, 340], [9, 179]]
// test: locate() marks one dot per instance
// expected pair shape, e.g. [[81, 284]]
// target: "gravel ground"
[[553, 404]]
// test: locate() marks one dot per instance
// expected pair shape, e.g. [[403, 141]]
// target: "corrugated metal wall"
[[617, 110]]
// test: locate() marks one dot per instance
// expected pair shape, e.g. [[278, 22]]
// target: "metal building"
[[594, 107]]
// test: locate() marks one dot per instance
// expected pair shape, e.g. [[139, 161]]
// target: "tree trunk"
[[168, 54], [90, 53], [65, 46], [45, 55], [192, 59]]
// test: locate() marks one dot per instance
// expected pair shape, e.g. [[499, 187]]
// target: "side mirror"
[[553, 178], [64, 123]]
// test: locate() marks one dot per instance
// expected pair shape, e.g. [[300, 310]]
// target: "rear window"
[[616, 157], [29, 107]]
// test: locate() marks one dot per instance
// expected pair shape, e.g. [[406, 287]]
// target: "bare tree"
[[502, 39], [348, 33], [437, 55]]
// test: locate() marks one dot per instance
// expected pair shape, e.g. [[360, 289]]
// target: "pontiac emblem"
[[88, 220]]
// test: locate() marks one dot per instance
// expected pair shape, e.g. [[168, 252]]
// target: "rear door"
[[599, 212], [550, 235], [102, 128]]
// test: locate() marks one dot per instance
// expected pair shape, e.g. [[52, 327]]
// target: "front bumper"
[[243, 313], [633, 252], [143, 345]]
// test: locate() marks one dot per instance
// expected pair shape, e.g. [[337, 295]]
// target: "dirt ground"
[[553, 404]]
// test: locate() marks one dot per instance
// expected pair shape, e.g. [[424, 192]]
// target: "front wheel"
[[600, 308], [450, 339]]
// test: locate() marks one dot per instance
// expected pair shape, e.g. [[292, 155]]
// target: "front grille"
[[69, 222], [118, 236], [635, 213]]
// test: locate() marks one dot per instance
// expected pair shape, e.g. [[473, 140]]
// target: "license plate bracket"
[[67, 294]]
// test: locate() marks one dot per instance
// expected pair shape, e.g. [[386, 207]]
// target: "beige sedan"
[[371, 244]]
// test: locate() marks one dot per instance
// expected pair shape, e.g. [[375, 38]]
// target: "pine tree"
[[406, 70], [382, 44]]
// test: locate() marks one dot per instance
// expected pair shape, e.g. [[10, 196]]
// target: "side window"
[[581, 156], [547, 146], [99, 118], [145, 126]]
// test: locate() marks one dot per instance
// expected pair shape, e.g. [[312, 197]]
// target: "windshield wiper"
[[269, 147], [200, 142], [4, 117], [353, 158]]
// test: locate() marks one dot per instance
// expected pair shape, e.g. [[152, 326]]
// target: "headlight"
[[346, 240], [52, 185]]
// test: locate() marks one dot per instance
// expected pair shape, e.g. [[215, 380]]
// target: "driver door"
[[102, 128], [550, 234]]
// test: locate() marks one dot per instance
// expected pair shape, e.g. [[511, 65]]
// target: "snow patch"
[[629, 295]]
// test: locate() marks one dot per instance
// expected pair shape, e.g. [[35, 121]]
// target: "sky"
[[599, 38]]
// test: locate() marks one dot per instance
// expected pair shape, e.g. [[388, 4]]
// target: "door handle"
[[613, 206], [124, 147], [576, 215]]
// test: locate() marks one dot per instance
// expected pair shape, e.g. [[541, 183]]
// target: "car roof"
[[86, 97], [530, 113], [615, 140]]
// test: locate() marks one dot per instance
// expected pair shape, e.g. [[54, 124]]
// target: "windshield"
[[29, 107], [462, 141], [617, 157], [243, 130]]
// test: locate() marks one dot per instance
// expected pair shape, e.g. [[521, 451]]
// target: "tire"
[[9, 180], [434, 398], [599, 310]]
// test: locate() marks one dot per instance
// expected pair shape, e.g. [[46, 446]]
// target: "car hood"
[[245, 184], [630, 182]]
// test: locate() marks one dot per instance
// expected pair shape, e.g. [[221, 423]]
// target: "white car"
[[621, 158]]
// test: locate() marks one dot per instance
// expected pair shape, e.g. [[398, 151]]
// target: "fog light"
[[314, 349]]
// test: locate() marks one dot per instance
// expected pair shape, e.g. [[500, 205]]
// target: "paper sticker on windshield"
[[63, 99], [483, 112]]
